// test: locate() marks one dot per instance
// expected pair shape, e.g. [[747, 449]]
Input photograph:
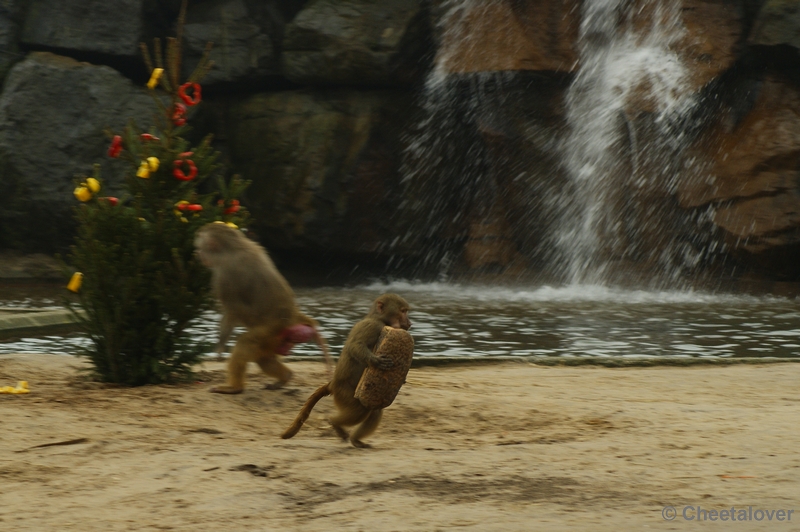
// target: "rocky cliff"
[[421, 133]]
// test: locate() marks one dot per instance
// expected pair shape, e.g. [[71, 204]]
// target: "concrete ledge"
[[25, 319]]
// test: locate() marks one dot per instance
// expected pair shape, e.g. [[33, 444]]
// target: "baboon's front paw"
[[360, 444]]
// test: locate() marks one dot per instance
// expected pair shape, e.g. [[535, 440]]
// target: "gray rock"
[[355, 42], [99, 26], [778, 22], [9, 33], [324, 167], [243, 33], [9, 52], [53, 114]]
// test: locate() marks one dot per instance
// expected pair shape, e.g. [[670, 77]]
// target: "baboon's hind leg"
[[273, 367], [366, 428]]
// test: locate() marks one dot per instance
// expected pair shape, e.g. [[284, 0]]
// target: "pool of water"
[[451, 320]]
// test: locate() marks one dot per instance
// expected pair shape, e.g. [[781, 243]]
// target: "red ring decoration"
[[178, 171], [111, 200], [116, 147], [148, 137], [196, 96], [179, 114]]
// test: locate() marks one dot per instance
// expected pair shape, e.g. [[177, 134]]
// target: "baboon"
[[357, 354], [253, 294]]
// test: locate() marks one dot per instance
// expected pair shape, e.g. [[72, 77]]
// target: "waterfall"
[[608, 206], [617, 165], [446, 159]]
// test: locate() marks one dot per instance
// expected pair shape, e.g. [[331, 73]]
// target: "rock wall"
[[319, 103]]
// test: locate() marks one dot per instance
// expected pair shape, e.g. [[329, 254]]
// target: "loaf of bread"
[[378, 388]]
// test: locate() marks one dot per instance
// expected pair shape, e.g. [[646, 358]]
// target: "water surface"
[[453, 320]]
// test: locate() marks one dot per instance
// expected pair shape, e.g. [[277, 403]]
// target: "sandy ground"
[[490, 447]]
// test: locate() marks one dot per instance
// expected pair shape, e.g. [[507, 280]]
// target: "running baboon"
[[357, 354], [253, 294]]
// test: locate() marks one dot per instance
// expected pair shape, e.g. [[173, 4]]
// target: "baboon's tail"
[[324, 346], [321, 392]]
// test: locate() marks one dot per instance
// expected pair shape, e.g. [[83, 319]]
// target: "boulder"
[[244, 34], [753, 174], [509, 35], [98, 26], [9, 33], [356, 42], [324, 167], [53, 114]]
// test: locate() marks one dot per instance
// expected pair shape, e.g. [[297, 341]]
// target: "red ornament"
[[116, 147], [179, 114], [147, 137], [191, 207], [190, 100], [111, 200], [234, 208], [179, 173]]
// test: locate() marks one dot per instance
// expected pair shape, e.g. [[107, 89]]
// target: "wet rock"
[[488, 244], [356, 42], [542, 36], [509, 35], [324, 167], [710, 46], [53, 114], [753, 178], [778, 22]]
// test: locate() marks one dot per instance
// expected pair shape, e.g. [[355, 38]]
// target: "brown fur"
[[253, 294], [357, 355]]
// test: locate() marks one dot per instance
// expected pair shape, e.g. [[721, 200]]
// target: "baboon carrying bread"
[[357, 355], [255, 295]]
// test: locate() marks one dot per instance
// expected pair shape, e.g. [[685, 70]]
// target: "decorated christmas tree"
[[138, 281]]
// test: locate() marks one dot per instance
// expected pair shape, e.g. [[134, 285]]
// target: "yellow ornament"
[[83, 193], [22, 387], [144, 170], [154, 77], [153, 163], [178, 210], [93, 184], [229, 224], [75, 282]]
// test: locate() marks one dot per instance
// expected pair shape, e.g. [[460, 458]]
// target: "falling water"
[[447, 158], [609, 209], [623, 170]]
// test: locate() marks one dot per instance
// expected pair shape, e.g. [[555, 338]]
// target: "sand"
[[508, 446]]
